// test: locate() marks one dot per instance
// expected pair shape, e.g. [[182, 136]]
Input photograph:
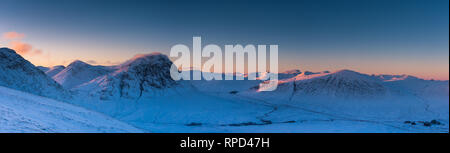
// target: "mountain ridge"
[[18, 73], [137, 77]]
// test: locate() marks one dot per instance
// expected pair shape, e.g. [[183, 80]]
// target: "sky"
[[369, 36]]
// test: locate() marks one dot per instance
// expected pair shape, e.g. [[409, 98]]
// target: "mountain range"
[[140, 92]]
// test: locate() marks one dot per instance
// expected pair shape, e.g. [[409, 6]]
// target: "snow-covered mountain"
[[23, 112], [17, 73], [407, 83], [51, 71], [54, 70], [77, 73], [43, 68], [351, 84], [342, 83], [142, 76], [351, 94], [385, 77]]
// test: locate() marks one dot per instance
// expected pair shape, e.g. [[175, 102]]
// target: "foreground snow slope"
[[23, 112]]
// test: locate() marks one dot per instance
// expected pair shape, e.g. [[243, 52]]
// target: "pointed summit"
[[79, 72]]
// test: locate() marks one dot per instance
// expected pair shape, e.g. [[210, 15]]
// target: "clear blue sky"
[[370, 36]]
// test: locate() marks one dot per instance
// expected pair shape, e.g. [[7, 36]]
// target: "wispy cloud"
[[13, 35]]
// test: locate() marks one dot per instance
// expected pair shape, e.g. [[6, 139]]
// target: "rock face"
[[17, 73], [79, 72], [143, 75], [288, 74]]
